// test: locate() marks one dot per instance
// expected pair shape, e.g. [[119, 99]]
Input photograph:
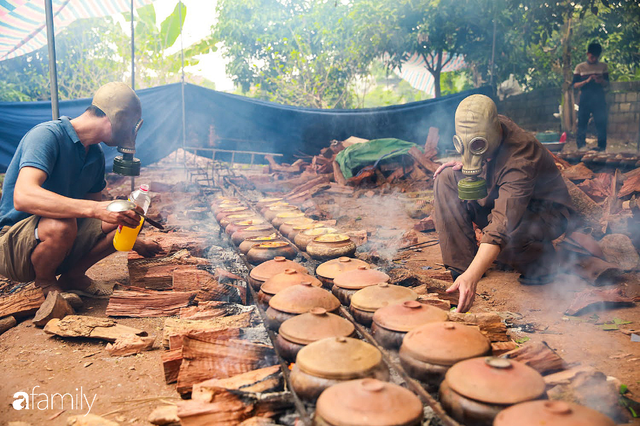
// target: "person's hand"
[[147, 248], [466, 285], [455, 165], [126, 218]]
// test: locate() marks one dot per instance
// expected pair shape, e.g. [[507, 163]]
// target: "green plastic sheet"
[[359, 155]]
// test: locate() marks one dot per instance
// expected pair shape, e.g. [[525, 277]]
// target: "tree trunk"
[[568, 110], [436, 75]]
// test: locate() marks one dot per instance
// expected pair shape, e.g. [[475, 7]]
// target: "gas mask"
[[478, 135], [122, 107]]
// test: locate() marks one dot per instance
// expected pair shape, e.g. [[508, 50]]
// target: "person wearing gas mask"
[[51, 218], [508, 185]]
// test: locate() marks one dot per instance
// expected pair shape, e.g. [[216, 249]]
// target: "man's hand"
[[456, 165], [126, 218], [466, 285], [147, 248]]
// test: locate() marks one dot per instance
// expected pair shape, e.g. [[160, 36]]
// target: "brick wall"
[[534, 110]]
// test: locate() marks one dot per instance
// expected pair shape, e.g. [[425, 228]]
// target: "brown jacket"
[[522, 174]]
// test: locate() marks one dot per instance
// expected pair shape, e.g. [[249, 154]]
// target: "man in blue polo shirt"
[[51, 218]]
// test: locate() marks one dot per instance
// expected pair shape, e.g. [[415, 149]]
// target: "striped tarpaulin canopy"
[[22, 22], [415, 71]]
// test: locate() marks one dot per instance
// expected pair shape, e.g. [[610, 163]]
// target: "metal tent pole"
[[53, 74], [133, 74], [184, 118]]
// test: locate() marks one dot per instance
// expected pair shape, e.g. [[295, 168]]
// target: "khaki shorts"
[[17, 242]]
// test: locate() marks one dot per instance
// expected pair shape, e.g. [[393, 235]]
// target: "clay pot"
[[262, 252], [551, 413], [273, 211], [357, 402], [334, 360], [263, 208], [296, 229], [287, 227], [365, 302], [346, 284], [231, 210], [266, 270], [474, 391], [392, 323], [279, 282], [280, 218], [327, 271], [267, 202], [250, 232], [305, 237], [226, 221], [226, 206], [331, 246], [246, 245], [317, 324], [237, 224], [296, 300], [428, 351]]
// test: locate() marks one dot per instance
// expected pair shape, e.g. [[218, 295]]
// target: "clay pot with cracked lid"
[[237, 224], [281, 217], [317, 324], [287, 227], [266, 270], [551, 413], [271, 212], [231, 210], [346, 284], [327, 271], [392, 323], [248, 215], [359, 402], [306, 236], [334, 360], [279, 282], [264, 202], [250, 232], [475, 390], [259, 253], [365, 302], [296, 300], [331, 246], [246, 245], [428, 351]]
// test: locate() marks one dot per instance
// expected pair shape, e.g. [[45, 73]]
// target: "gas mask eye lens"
[[457, 143], [478, 146]]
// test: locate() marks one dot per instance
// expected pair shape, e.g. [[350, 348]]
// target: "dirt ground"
[[127, 389]]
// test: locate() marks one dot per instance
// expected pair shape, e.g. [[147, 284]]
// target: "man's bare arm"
[[29, 196], [468, 281]]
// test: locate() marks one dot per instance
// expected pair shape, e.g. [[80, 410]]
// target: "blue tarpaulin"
[[225, 121]]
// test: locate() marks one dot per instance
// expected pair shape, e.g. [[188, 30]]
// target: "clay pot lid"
[[234, 209], [335, 267], [372, 298], [495, 380], [240, 217], [339, 358], [551, 413], [282, 208], [445, 343], [278, 264], [302, 220], [332, 238], [306, 226], [259, 227], [301, 298], [270, 245], [360, 277], [288, 278], [369, 402], [249, 222], [269, 200], [407, 315], [270, 237], [317, 324], [319, 231], [290, 215]]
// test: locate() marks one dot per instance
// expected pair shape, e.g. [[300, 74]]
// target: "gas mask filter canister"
[[478, 135]]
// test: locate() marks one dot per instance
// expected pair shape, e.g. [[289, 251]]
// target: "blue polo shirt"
[[54, 147]]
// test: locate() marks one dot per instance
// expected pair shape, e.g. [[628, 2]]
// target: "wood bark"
[[173, 326], [337, 174], [538, 356], [138, 267], [501, 348], [91, 327], [206, 286], [490, 324], [148, 304], [7, 323], [130, 344], [266, 379], [171, 362], [22, 303], [422, 160], [176, 340], [54, 306]]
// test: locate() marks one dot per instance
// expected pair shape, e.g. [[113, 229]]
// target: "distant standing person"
[[591, 77]]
